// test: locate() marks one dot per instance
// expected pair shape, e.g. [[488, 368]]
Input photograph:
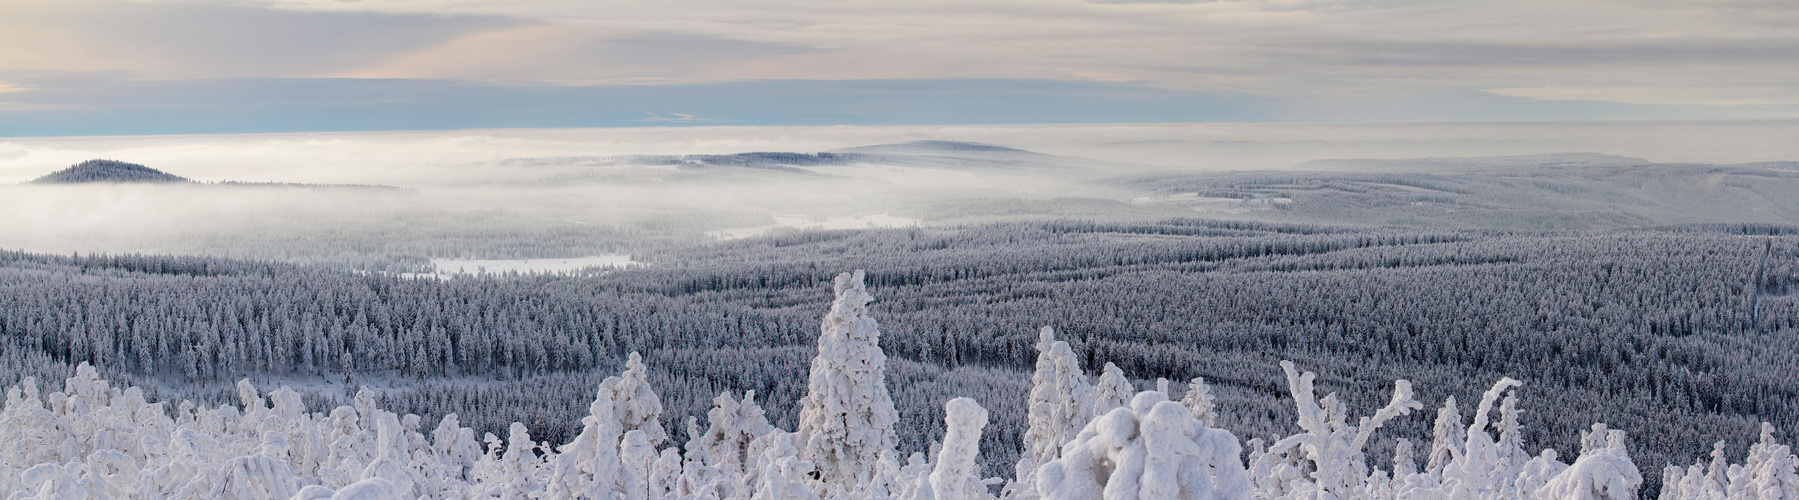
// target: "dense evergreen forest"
[[1678, 335]]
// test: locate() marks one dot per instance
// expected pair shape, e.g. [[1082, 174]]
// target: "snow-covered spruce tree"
[[1768, 472], [957, 476], [617, 443], [1603, 471], [637, 407], [1447, 438], [722, 460], [1511, 435], [1199, 400], [1483, 469], [734, 425], [1113, 390], [589, 466], [847, 417], [1061, 400], [1152, 448]]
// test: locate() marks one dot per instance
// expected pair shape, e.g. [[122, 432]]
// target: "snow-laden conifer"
[[1199, 400], [1061, 401], [957, 475], [734, 425], [1447, 438], [847, 417], [1112, 390], [1153, 448], [1603, 472]]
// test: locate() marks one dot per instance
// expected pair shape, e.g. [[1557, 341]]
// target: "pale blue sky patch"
[[110, 106]]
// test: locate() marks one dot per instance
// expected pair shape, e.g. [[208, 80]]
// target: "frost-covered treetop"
[[847, 417], [93, 440]]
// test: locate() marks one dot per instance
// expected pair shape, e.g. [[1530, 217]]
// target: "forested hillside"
[[1086, 439], [108, 171], [1665, 333]]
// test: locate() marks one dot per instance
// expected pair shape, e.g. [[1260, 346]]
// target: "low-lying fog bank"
[[535, 194]]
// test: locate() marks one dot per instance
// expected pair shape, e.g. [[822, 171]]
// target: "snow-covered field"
[[1213, 204], [1088, 439], [804, 223]]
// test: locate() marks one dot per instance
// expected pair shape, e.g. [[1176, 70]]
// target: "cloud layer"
[[1736, 56]]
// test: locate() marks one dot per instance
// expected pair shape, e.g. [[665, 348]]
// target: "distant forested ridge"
[[118, 172], [1539, 192], [109, 171], [1680, 336]]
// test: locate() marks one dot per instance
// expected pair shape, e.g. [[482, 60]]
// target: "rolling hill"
[[109, 171]]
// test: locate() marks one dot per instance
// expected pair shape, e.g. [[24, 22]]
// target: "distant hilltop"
[[109, 171], [118, 172], [917, 147]]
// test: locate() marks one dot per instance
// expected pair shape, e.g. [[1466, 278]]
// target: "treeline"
[[1673, 335]]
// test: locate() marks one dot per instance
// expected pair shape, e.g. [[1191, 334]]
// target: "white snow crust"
[[1087, 440]]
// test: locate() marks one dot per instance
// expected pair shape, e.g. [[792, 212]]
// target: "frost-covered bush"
[[93, 440]]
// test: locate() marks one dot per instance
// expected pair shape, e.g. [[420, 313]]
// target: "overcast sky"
[[75, 67]]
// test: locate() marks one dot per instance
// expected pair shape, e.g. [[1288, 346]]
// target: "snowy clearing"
[[805, 223]]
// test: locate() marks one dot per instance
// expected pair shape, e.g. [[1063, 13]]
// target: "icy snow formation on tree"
[[736, 425], [846, 419], [1327, 460], [1330, 448], [609, 455], [1061, 402], [956, 477], [1152, 448], [1768, 472], [1112, 391], [92, 440], [1199, 400]]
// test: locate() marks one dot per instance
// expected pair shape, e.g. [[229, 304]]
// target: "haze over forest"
[[625, 190]]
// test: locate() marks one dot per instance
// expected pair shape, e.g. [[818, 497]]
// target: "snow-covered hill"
[[108, 171]]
